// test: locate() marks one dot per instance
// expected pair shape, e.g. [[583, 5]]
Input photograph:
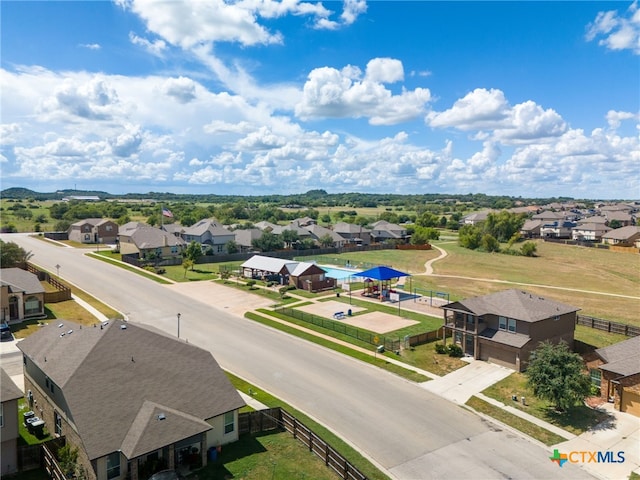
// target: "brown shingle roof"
[[513, 303], [108, 377]]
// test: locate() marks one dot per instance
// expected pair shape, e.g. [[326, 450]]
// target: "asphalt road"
[[405, 430]]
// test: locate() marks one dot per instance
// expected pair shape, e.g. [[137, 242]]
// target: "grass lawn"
[[26, 438], [426, 358], [336, 442], [541, 434], [577, 420], [422, 356], [597, 338], [377, 360], [270, 455]]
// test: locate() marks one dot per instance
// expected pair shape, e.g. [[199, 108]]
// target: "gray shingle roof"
[[513, 303], [20, 280], [623, 233], [115, 380], [622, 358], [517, 340], [150, 237], [9, 391]]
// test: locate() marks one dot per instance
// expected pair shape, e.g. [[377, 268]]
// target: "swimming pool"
[[338, 273]]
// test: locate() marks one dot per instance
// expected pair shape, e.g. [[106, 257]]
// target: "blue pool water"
[[338, 273]]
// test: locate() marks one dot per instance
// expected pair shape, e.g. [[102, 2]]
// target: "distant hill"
[[18, 193]]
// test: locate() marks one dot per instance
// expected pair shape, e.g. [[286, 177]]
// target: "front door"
[[468, 347]]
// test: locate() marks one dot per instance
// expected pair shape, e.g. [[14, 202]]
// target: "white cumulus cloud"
[[333, 93], [617, 31]]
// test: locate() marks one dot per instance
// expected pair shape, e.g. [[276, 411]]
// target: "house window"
[[502, 323], [229, 422], [87, 237], [596, 376], [57, 420], [31, 305], [512, 325], [109, 227], [113, 465]]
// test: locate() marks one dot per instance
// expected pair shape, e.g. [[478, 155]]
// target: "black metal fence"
[[392, 344]]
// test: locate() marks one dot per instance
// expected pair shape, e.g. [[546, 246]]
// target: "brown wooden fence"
[[62, 293], [279, 419], [608, 326]]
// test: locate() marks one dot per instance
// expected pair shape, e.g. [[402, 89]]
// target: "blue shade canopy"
[[382, 273]]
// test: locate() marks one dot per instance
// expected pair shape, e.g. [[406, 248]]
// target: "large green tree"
[[13, 255], [557, 374], [193, 252]]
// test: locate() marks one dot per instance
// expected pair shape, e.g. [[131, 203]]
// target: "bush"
[[251, 283], [441, 349], [455, 350], [594, 390]]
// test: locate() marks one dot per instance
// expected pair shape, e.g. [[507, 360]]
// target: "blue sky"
[[532, 99]]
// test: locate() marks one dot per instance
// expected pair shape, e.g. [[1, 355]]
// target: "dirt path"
[[428, 266]]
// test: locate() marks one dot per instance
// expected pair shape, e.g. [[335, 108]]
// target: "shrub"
[[455, 350], [251, 283], [440, 348]]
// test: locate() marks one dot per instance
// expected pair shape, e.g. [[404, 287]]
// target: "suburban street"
[[407, 431]]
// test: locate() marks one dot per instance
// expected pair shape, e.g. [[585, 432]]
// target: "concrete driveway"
[[467, 381], [621, 434]]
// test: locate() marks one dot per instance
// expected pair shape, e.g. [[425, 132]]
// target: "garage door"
[[495, 354], [631, 403]]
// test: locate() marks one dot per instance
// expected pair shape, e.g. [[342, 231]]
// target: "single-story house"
[[9, 396], [505, 327], [303, 275], [624, 236], [475, 218], [616, 370], [93, 230], [132, 400], [21, 295], [150, 242]]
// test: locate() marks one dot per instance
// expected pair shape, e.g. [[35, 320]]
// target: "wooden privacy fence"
[[279, 419], [62, 293], [608, 326]]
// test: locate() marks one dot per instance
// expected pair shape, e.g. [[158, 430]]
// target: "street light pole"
[[178, 325]]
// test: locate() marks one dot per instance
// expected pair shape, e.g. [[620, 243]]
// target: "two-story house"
[[132, 400], [505, 327], [93, 230], [383, 230], [352, 233], [208, 233]]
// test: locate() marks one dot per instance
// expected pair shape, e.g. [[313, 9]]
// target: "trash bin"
[[338, 294], [213, 454], [349, 312]]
